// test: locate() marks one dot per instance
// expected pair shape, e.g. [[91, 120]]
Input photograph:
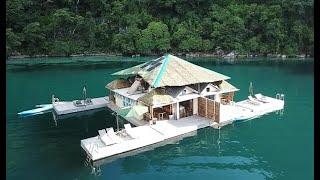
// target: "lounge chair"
[[127, 126], [105, 138], [253, 101], [113, 135], [261, 98], [78, 103], [88, 101], [129, 129]]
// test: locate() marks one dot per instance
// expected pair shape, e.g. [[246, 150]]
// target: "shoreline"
[[191, 55]]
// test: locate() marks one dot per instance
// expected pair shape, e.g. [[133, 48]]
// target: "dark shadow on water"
[[293, 65], [298, 67], [77, 66], [76, 115]]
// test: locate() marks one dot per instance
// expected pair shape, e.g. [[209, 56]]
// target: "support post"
[[178, 111], [151, 112], [214, 111], [117, 122], [206, 107]]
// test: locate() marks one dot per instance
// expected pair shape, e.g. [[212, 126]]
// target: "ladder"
[[92, 148], [96, 171]]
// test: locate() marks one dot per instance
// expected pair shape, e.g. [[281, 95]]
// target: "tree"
[[126, 41], [229, 34], [253, 45], [147, 27], [155, 38], [33, 38], [12, 41]]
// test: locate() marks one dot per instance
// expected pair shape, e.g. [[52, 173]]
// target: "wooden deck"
[[144, 136], [246, 110], [163, 130], [67, 107]]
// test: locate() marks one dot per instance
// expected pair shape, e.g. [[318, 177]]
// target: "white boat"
[[39, 110]]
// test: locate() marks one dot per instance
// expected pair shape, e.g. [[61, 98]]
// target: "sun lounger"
[[253, 101], [261, 98], [129, 129], [88, 101], [113, 135], [105, 138], [127, 126], [77, 103]]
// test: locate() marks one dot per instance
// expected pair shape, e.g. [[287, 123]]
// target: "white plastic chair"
[[253, 101], [261, 98], [105, 138], [127, 126], [129, 129], [113, 135]]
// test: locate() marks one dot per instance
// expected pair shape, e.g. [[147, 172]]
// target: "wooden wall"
[[209, 108]]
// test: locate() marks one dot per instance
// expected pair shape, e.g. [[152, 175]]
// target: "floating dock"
[[142, 136], [247, 110], [68, 107], [113, 144]]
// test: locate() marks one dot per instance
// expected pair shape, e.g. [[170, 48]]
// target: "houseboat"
[[168, 97]]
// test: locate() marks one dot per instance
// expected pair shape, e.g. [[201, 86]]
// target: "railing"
[[280, 96], [92, 148]]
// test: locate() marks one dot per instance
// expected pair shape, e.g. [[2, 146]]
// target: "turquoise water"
[[270, 147]]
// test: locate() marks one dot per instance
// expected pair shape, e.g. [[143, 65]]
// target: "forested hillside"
[[64, 27]]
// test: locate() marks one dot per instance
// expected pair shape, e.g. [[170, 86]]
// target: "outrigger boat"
[[41, 109]]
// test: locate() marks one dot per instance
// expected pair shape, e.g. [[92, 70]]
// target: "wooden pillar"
[[195, 106], [214, 110], [206, 107], [178, 111], [151, 111]]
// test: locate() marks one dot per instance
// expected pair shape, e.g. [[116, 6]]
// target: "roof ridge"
[[155, 83]]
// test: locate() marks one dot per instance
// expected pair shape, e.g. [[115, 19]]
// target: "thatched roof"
[[225, 86], [155, 97], [174, 91], [118, 84], [170, 70]]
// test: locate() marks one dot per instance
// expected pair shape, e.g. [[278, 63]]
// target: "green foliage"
[[126, 41], [61, 47], [12, 41], [33, 38], [253, 45], [155, 38], [158, 26]]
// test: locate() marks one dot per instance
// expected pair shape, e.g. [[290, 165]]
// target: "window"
[[124, 101], [208, 89], [128, 102], [184, 92]]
